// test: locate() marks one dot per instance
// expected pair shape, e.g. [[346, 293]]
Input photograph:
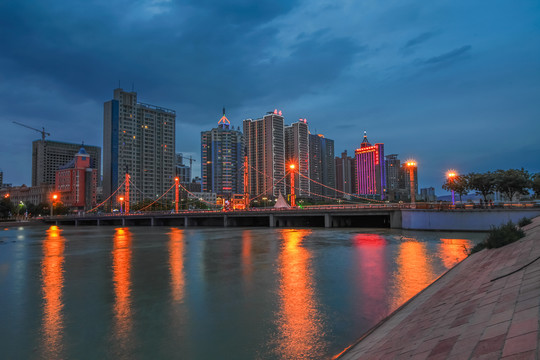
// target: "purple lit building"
[[370, 169]]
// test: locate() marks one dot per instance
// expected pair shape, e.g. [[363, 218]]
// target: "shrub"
[[524, 222], [503, 235], [476, 248]]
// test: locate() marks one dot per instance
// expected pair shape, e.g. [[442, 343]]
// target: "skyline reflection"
[[121, 265], [300, 325], [52, 276], [247, 261]]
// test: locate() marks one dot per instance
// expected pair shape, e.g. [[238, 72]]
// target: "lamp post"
[[293, 196], [411, 164], [121, 198], [176, 193], [54, 197], [451, 176]]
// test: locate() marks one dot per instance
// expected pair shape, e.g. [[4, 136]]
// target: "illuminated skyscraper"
[[393, 166], [321, 165], [221, 159], [297, 152], [264, 139], [140, 139], [370, 173]]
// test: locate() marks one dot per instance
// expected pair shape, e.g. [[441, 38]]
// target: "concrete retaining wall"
[[465, 220]]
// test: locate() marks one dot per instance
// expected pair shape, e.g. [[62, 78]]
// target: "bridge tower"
[[293, 196], [246, 180], [176, 193]]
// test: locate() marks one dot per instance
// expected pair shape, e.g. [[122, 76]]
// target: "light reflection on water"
[[250, 293], [52, 277]]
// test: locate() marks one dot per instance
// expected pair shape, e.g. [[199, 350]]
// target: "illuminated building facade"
[[221, 159], [405, 179], [264, 140], [48, 156], [345, 174], [370, 169], [322, 165], [140, 139], [76, 182], [297, 152]]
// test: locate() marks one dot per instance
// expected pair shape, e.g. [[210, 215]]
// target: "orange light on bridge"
[[292, 166]]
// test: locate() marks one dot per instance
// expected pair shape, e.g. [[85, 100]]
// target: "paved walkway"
[[487, 307]]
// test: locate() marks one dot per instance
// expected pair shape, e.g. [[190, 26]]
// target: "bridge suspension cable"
[[107, 199]]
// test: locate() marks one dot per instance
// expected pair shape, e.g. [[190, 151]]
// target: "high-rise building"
[[345, 174], [322, 165], [48, 156], [222, 159], [264, 139], [138, 139], [76, 182], [370, 172], [405, 179], [393, 168], [428, 194], [297, 152], [183, 171]]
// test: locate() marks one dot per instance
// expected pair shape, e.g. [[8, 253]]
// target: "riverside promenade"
[[486, 307]]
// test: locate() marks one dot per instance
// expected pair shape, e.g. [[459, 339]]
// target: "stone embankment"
[[486, 307]]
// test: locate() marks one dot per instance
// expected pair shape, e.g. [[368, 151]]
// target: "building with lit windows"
[[405, 179], [138, 138], [183, 171], [370, 169], [222, 159], [264, 140], [48, 156], [322, 166], [345, 174], [297, 152], [76, 182]]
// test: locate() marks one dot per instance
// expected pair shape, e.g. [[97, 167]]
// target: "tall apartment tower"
[[297, 152], [140, 139], [393, 168], [222, 159], [345, 174], [264, 140], [322, 165], [48, 156], [405, 179], [370, 169], [182, 170]]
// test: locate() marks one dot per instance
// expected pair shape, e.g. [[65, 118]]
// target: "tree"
[[483, 184], [535, 184], [512, 182], [6, 208], [459, 184]]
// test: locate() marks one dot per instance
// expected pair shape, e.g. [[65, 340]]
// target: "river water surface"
[[174, 293]]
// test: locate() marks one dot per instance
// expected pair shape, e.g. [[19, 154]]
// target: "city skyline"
[[452, 85]]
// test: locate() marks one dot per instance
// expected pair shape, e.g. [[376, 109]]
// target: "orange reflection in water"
[[52, 275], [299, 323], [176, 264], [247, 262], [370, 249], [414, 271], [452, 251], [121, 258]]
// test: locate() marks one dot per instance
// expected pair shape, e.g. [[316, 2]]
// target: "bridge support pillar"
[[327, 221], [272, 220], [123, 222], [225, 221], [98, 223], [76, 222], [152, 223], [395, 220], [186, 221]]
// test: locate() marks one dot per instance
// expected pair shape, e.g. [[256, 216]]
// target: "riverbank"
[[485, 307], [7, 224]]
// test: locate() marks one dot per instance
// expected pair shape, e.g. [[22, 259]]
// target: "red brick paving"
[[469, 313]]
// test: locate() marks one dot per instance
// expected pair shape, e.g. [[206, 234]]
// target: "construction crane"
[[43, 132], [191, 160]]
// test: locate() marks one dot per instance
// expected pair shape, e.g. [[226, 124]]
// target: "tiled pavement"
[[475, 311]]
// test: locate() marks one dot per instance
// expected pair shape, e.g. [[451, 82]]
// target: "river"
[[207, 293]]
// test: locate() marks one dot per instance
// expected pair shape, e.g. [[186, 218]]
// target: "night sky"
[[450, 83]]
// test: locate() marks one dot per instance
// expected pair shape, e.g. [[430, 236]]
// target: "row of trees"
[[10, 209], [509, 183]]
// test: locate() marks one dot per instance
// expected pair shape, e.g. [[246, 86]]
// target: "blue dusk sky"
[[450, 83]]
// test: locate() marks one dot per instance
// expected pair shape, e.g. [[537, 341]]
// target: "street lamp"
[[411, 164], [121, 198], [54, 198], [293, 196], [451, 176]]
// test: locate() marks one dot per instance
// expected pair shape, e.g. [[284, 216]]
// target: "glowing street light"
[[293, 196], [451, 175], [54, 198], [411, 164], [121, 198]]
